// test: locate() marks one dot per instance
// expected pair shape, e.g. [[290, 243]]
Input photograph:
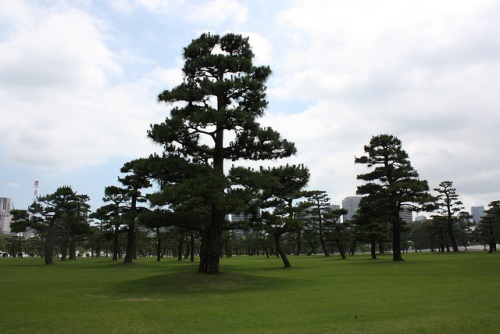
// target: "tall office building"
[[351, 204], [5, 218], [406, 214], [477, 213], [237, 217], [335, 207]]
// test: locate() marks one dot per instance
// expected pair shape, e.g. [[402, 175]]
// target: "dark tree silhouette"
[[391, 183], [213, 119]]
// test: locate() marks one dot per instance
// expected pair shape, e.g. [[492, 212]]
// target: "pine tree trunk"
[[158, 250], [396, 241], [115, 242], [211, 238], [323, 243], [341, 248], [227, 248], [453, 240], [158, 244], [211, 243], [493, 242], [373, 249], [352, 250], [64, 249], [72, 250], [98, 249], [191, 239], [280, 251], [298, 251], [492, 246], [131, 254], [179, 249], [209, 254], [313, 249], [49, 246], [130, 243]]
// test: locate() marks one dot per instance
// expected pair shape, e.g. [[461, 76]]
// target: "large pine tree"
[[213, 119], [271, 196], [449, 209], [488, 229], [61, 213], [391, 183]]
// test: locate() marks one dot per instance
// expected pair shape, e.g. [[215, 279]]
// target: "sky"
[[79, 82]]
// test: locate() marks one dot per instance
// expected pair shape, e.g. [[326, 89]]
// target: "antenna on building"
[[35, 199]]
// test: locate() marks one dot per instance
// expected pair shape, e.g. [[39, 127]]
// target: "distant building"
[[406, 214], [477, 213], [334, 207], [351, 204], [236, 217], [420, 218], [5, 218]]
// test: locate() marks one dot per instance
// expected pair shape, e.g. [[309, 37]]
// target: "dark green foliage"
[[213, 120], [342, 234], [449, 208], [391, 183], [124, 207], [60, 216], [270, 195], [134, 182], [464, 229], [75, 227], [111, 214], [179, 225], [488, 230], [323, 223], [319, 206], [417, 235], [371, 224]]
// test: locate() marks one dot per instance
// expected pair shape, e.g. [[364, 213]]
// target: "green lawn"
[[428, 293]]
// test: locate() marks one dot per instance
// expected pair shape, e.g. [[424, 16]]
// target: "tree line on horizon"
[[213, 119]]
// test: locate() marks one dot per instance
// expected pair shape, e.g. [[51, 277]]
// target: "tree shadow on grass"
[[191, 283]]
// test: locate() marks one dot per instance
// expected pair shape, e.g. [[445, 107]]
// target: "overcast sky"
[[79, 81]]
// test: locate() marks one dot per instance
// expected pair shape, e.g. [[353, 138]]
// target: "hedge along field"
[[428, 293]]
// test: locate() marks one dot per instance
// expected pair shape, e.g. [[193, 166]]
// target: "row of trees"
[[100, 242], [214, 119], [60, 215], [316, 230]]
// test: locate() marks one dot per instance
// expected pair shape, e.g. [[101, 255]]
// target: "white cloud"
[[261, 47], [216, 12], [352, 39], [154, 6], [427, 72], [210, 12], [44, 54], [56, 76], [80, 83]]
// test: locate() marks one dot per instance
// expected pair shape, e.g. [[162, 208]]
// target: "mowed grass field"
[[428, 293]]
